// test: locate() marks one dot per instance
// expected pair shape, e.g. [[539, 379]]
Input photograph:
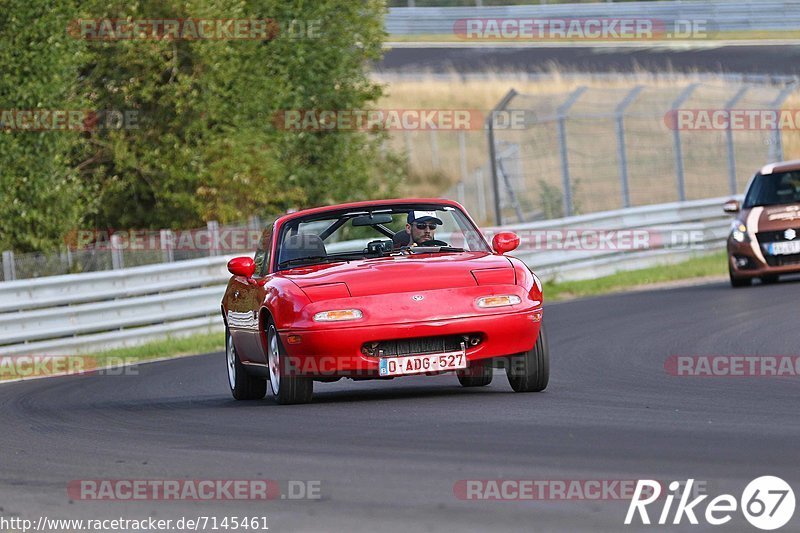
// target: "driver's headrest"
[[400, 239], [302, 245]]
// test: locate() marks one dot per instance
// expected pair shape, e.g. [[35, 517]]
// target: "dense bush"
[[204, 145]]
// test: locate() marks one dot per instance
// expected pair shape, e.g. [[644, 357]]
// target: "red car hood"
[[388, 275]]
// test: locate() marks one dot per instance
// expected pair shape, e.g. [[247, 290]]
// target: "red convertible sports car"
[[377, 290]]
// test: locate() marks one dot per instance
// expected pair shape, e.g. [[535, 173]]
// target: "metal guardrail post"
[[167, 241], [776, 146], [729, 139], [676, 141], [622, 154], [498, 214], [9, 268], [562, 112], [117, 260]]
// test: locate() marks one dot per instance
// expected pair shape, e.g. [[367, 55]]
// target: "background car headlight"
[[498, 301], [739, 233], [340, 314]]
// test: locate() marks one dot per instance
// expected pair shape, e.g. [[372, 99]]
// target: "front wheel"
[[286, 387], [243, 385], [736, 281], [530, 371]]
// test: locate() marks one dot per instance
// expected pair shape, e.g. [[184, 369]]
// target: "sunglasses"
[[429, 226]]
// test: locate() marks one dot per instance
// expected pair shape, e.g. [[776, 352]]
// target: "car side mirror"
[[505, 241], [242, 266], [731, 206]]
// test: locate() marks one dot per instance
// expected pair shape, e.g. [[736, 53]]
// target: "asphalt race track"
[[739, 59], [389, 453]]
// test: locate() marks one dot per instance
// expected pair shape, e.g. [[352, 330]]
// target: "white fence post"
[[213, 237], [9, 270], [167, 241], [117, 261]]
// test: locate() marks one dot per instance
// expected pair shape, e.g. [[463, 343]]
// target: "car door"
[[244, 298]]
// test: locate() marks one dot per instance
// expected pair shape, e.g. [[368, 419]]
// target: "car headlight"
[[498, 301], [340, 314], [739, 233]]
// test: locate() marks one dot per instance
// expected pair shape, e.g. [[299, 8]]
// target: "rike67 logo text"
[[767, 502]]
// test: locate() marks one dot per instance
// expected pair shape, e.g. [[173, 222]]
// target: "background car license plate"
[[784, 248], [419, 364]]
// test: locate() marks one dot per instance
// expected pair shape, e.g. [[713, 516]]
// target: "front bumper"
[[755, 261], [336, 352]]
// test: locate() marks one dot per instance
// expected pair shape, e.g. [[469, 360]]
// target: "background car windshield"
[[774, 189], [456, 230]]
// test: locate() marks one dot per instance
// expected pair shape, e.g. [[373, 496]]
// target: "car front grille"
[[416, 346], [765, 237], [782, 260]]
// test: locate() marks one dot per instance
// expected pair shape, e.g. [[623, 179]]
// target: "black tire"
[[530, 371], [286, 388], [477, 375], [243, 385], [736, 281]]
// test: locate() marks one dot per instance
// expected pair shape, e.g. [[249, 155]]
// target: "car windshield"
[[373, 232], [773, 189]]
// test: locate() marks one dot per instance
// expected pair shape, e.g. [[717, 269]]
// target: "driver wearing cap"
[[421, 226]]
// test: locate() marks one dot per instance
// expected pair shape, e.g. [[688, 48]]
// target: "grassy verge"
[[698, 267], [172, 347]]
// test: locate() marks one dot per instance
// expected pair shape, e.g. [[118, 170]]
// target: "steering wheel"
[[433, 242]]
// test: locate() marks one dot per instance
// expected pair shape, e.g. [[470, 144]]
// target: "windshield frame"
[[462, 219], [749, 200]]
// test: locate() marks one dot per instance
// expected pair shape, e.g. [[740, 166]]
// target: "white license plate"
[[784, 248], [420, 364]]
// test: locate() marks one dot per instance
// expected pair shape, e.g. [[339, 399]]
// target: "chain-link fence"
[[600, 149]]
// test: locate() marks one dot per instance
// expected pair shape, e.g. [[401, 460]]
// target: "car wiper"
[[300, 260], [432, 249]]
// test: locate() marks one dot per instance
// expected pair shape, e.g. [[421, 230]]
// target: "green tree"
[[206, 147], [39, 189], [203, 145]]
